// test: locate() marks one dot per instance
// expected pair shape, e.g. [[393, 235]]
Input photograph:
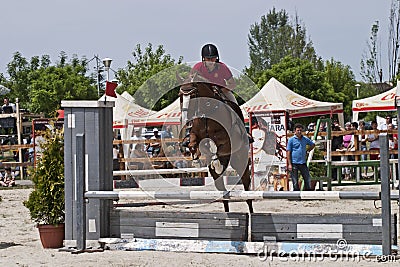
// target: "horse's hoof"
[[219, 170], [226, 195], [216, 166]]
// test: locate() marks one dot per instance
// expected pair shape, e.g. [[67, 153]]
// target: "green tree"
[[370, 67], [64, 81], [334, 83], [40, 87], [394, 40], [303, 78], [342, 80], [151, 71], [371, 62], [274, 38], [19, 70]]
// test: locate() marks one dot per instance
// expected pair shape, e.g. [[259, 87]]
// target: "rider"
[[215, 71]]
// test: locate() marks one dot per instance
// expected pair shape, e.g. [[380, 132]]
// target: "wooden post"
[[121, 163]]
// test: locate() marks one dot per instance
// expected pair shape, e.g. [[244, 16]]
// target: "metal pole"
[[19, 133], [98, 75], [80, 222], [385, 194], [397, 105]]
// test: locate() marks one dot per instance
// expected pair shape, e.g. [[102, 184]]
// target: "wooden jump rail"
[[160, 171], [15, 147], [163, 159], [147, 141], [15, 163]]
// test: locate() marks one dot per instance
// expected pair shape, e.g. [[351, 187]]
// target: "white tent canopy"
[[274, 96], [168, 115], [382, 102], [125, 111]]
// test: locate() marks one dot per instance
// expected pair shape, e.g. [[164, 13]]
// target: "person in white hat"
[[137, 135]]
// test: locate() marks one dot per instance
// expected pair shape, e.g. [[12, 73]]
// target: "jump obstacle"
[[92, 219]]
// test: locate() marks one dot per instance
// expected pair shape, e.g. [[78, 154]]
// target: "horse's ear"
[[179, 77]]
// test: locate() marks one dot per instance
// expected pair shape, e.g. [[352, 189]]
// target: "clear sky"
[[338, 29]]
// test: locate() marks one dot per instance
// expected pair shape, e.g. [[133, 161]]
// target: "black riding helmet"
[[209, 51]]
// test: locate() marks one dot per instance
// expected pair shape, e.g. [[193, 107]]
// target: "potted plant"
[[46, 201]]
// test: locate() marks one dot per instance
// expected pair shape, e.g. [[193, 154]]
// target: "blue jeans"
[[364, 157], [295, 176]]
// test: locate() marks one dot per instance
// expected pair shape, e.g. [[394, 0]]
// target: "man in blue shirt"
[[296, 155]]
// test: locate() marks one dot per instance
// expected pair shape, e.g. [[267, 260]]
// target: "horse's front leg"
[[194, 150]]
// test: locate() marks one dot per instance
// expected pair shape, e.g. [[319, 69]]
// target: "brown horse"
[[217, 131]]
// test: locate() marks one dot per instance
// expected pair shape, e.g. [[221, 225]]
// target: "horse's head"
[[196, 87]]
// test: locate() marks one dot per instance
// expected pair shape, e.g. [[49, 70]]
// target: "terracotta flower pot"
[[51, 236]]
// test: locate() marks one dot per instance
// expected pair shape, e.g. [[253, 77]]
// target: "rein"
[[192, 90]]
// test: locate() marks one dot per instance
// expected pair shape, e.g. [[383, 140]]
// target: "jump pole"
[[237, 195]]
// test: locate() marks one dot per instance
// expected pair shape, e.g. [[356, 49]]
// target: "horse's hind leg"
[[246, 177], [219, 181], [219, 184], [246, 183]]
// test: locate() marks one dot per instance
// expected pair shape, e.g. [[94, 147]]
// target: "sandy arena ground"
[[20, 244]]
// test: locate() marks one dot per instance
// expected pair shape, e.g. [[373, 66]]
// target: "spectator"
[[373, 138], [115, 158], [167, 132], [337, 143], [296, 155], [8, 107], [137, 135], [8, 179], [393, 141], [363, 145], [347, 145], [311, 127], [384, 126], [9, 124], [154, 148], [139, 152]]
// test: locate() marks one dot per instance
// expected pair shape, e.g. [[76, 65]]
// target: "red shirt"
[[218, 76]]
